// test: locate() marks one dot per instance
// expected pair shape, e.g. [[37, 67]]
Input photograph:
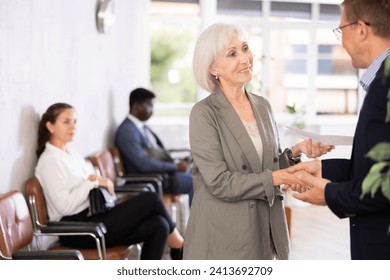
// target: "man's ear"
[[363, 30]]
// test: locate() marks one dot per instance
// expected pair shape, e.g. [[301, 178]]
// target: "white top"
[[254, 134], [64, 178]]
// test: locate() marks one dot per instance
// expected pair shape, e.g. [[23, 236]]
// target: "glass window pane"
[[336, 80], [290, 10], [329, 12], [174, 8], [239, 8], [288, 69], [256, 46], [171, 62]]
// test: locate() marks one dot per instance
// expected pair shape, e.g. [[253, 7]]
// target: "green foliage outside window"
[[171, 64]]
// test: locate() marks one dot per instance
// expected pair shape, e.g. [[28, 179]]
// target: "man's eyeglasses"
[[338, 31]]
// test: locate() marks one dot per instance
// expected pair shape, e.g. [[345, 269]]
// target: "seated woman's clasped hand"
[[103, 182]]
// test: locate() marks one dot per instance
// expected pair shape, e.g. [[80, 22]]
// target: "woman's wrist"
[[292, 160], [279, 177], [296, 152]]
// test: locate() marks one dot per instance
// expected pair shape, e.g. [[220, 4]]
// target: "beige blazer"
[[236, 211]]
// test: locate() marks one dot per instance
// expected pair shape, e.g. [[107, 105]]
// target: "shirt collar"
[[370, 73], [50, 147], [139, 124]]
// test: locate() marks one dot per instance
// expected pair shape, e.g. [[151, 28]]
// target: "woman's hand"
[[93, 177], [107, 183], [103, 182], [283, 177], [310, 149], [313, 167]]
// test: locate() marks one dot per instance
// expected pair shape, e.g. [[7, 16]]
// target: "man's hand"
[[315, 192], [182, 165], [313, 167]]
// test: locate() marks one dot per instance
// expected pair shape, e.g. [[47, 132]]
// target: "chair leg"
[[183, 213], [134, 252], [171, 208]]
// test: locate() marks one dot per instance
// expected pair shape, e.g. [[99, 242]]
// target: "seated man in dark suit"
[[138, 145]]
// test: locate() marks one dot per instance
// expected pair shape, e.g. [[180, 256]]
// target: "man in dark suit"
[[365, 31], [138, 145]]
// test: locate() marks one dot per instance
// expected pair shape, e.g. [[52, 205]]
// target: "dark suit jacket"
[[131, 144], [369, 217]]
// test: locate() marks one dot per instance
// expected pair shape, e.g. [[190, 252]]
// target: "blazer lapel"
[[237, 129], [266, 130]]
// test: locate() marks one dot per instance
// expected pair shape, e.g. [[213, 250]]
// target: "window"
[[239, 8], [174, 29], [288, 68], [290, 10], [336, 80], [297, 59], [171, 72]]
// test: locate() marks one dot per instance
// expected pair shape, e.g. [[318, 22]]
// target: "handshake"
[[306, 180]]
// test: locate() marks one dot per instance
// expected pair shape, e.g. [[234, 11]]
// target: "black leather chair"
[[105, 165], [178, 205], [16, 232], [44, 227]]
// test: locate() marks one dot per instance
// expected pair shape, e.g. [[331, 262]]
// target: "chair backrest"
[[104, 161], [118, 161], [37, 202], [16, 230]]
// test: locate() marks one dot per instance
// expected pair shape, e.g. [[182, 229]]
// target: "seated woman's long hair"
[[51, 116]]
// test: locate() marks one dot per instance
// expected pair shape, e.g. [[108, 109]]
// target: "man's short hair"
[[139, 95], [374, 12]]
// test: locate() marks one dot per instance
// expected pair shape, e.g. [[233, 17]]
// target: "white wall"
[[50, 51]]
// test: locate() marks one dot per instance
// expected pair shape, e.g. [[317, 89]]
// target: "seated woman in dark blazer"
[[67, 179]]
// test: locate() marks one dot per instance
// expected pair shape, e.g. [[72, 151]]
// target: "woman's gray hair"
[[209, 45]]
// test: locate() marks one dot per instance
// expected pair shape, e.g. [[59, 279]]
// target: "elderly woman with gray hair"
[[237, 210]]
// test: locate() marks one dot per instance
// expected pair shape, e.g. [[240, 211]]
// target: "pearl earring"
[[216, 77]]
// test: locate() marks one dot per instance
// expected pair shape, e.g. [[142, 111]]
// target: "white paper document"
[[336, 140]]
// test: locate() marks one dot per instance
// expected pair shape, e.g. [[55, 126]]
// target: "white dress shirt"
[[370, 73], [140, 125], [64, 178]]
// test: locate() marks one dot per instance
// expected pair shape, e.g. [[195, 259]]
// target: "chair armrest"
[[177, 154], [155, 179], [180, 150], [75, 230], [76, 223], [134, 187], [48, 255]]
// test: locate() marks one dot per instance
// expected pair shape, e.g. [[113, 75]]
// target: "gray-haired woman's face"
[[233, 65]]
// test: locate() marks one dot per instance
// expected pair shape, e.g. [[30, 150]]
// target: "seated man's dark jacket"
[[132, 145]]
